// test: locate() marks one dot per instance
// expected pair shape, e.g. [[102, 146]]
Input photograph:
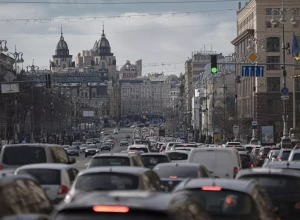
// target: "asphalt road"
[[82, 162]]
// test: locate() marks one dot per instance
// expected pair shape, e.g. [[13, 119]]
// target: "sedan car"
[[73, 151], [91, 150], [105, 146], [124, 142]]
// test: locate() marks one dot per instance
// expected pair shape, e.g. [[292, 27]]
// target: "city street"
[[82, 162]]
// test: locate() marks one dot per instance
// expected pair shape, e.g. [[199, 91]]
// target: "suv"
[[16, 155]]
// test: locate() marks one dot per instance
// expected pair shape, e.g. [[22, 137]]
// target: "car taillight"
[[63, 190], [118, 209], [251, 165], [235, 170], [279, 159], [211, 188], [261, 154], [297, 206], [0, 167]]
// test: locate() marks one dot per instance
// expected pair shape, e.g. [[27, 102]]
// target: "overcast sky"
[[158, 40]]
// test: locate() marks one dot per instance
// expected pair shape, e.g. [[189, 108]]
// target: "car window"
[[106, 181], [177, 156], [154, 181], [296, 157], [176, 172], [59, 154], [24, 155], [285, 154], [44, 176], [109, 161], [153, 160], [71, 174], [245, 158]]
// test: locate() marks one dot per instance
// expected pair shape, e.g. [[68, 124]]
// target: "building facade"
[[129, 70], [259, 98]]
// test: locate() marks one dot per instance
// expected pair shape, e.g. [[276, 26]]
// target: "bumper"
[[105, 148], [91, 153]]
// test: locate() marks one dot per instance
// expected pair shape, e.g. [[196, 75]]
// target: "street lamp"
[[285, 141], [3, 49], [18, 57]]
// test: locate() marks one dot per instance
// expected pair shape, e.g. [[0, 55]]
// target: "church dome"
[[62, 44], [103, 42]]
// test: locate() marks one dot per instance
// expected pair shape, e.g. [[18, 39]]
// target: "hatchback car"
[[150, 160], [114, 178], [55, 179], [116, 159]]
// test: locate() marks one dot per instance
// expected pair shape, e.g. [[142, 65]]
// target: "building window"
[[64, 66], [268, 11], [272, 60], [297, 84], [297, 106], [268, 24], [274, 106], [103, 65], [273, 84], [273, 44], [56, 62], [94, 94]]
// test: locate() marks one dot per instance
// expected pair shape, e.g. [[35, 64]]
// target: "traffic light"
[[214, 64], [48, 81]]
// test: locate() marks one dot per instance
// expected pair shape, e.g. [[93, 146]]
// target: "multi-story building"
[[129, 70], [254, 28]]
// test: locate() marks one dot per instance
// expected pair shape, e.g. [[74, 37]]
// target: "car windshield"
[[107, 181], [176, 172], [23, 155], [277, 184], [177, 156], [285, 154], [44, 176], [109, 161], [91, 147], [72, 148], [225, 202], [139, 149], [152, 160]]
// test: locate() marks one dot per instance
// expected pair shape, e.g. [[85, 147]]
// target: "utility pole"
[[224, 109]]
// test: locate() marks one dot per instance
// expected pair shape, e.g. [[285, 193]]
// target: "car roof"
[[133, 199], [154, 154], [113, 154], [283, 164], [139, 145], [228, 184], [178, 151], [56, 166], [32, 145], [268, 171], [115, 169], [196, 165]]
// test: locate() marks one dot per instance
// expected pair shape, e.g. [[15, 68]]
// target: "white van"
[[221, 162]]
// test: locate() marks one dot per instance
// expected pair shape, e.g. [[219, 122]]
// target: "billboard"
[[267, 135], [88, 114]]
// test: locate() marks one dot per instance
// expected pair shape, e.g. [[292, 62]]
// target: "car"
[[178, 156], [138, 147], [262, 154], [283, 154], [150, 160], [133, 205], [82, 148], [73, 151], [106, 146], [76, 143], [116, 131], [292, 165], [114, 178], [55, 179], [221, 162], [250, 147], [230, 198], [282, 186], [183, 148], [233, 144], [15, 155], [21, 195], [124, 142], [65, 147], [247, 160], [128, 136], [176, 145], [171, 174], [137, 152], [116, 159], [294, 155], [91, 150]]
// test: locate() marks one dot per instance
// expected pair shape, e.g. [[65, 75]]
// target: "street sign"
[[285, 97], [253, 71], [254, 124], [252, 57], [9, 77], [284, 91], [236, 130], [10, 88]]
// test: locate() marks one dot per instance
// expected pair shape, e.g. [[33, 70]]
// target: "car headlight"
[[86, 151]]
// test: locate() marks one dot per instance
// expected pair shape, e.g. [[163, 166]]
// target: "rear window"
[[245, 158], [107, 181], [152, 160], [296, 157], [178, 156], [22, 155], [178, 172], [276, 184], [226, 202], [285, 154], [44, 176], [139, 148], [111, 216], [109, 161], [266, 150]]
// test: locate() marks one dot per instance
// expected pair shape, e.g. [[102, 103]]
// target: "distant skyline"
[[163, 42]]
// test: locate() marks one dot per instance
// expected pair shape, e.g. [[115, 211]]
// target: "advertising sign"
[[267, 135]]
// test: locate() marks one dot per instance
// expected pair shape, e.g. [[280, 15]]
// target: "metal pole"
[[206, 139], [294, 99], [236, 135], [16, 120], [224, 109], [254, 139]]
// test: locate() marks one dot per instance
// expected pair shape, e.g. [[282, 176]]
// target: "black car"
[[282, 186], [91, 150], [132, 205], [150, 160], [229, 199], [171, 174], [247, 160]]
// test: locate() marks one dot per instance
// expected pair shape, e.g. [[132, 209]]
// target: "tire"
[[85, 155]]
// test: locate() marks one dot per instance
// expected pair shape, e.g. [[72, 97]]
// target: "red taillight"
[[118, 209], [261, 154], [63, 190], [251, 165], [0, 167], [173, 177], [235, 170], [211, 188], [279, 159], [297, 206]]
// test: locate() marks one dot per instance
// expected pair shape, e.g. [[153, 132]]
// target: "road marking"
[[77, 161], [87, 164]]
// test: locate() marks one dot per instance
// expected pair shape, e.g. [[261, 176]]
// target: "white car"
[[116, 131]]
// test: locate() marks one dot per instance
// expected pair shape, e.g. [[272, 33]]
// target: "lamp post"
[[18, 57], [3, 49], [33, 69], [285, 141]]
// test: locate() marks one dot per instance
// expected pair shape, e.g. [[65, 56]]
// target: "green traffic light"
[[214, 70]]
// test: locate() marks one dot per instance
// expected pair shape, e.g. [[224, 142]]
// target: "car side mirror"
[[72, 161]]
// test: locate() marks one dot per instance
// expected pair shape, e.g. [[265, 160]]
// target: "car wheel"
[[85, 155]]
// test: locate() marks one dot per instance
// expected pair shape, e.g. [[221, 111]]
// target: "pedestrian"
[[297, 146]]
